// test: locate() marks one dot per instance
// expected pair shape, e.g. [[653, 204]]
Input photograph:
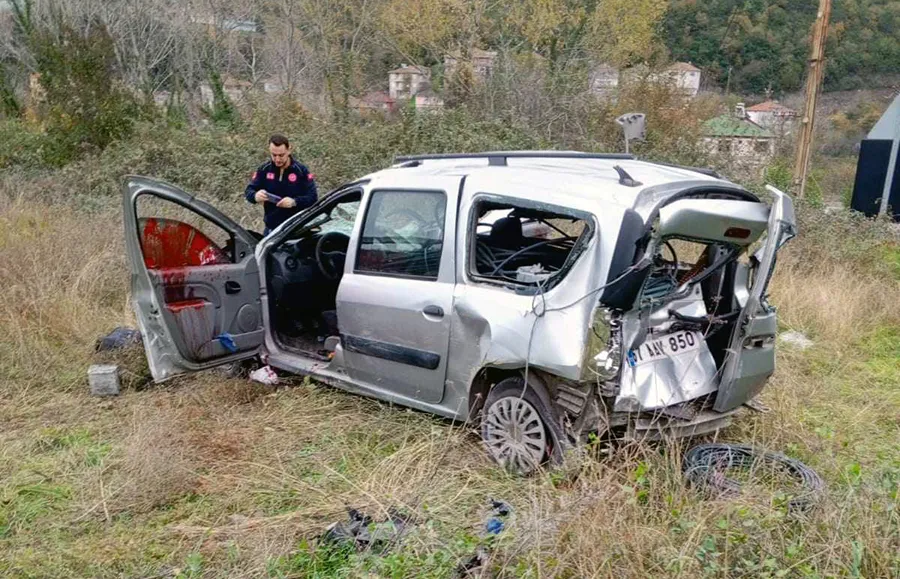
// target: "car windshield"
[[340, 218]]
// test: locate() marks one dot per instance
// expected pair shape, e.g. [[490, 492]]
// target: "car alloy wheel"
[[515, 434]]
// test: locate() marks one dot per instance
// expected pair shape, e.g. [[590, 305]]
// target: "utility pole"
[[813, 84]]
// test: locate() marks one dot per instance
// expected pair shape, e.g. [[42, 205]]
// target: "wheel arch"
[[489, 376]]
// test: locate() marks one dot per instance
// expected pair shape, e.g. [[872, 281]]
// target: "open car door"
[[194, 280], [751, 358]]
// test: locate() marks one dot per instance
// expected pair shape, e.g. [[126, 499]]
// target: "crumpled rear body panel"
[[495, 327], [668, 381]]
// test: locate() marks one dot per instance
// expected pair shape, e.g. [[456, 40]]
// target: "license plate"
[[666, 346]]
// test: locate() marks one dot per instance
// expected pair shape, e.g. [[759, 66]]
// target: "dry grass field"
[[211, 476]]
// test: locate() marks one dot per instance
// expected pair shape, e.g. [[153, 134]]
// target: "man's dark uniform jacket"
[[294, 181]]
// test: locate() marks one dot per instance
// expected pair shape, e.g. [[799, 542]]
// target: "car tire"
[[518, 428]]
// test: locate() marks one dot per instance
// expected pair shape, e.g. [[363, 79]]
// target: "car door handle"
[[434, 311], [232, 287]]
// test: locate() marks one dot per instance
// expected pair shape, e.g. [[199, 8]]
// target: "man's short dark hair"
[[279, 140]]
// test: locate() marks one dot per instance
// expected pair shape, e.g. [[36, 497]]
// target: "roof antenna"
[[625, 178]]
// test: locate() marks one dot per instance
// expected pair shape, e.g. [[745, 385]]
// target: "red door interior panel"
[[167, 243]]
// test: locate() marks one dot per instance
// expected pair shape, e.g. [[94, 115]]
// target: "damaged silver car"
[[545, 296]]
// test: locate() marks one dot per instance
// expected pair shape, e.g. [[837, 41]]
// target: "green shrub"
[[9, 104], [85, 106], [19, 145], [221, 111]]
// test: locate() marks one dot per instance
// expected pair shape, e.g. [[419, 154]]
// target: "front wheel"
[[516, 427]]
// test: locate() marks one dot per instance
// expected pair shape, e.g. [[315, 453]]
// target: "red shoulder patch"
[[311, 176], [270, 176], [253, 177]]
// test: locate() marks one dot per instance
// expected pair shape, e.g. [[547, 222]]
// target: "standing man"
[[282, 185]]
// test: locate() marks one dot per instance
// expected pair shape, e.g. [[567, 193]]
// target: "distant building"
[[225, 24], [604, 79], [428, 100], [407, 81], [683, 76], [686, 77], [774, 116], [374, 102], [737, 136], [407, 85], [482, 62]]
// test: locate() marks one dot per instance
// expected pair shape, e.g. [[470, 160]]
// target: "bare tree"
[[286, 48], [147, 35]]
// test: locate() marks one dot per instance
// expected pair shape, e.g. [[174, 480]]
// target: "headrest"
[[506, 233]]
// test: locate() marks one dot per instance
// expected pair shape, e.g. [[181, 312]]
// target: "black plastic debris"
[[119, 338], [493, 526], [364, 533]]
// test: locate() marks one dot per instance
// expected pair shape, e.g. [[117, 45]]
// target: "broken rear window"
[[519, 245]]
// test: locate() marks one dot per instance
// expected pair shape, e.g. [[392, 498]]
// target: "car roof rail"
[[499, 158]]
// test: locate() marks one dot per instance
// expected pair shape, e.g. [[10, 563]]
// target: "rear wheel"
[[516, 427]]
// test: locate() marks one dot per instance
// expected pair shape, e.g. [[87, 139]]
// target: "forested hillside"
[[763, 44], [332, 50]]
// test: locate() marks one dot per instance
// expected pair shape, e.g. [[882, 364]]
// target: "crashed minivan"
[[545, 296]]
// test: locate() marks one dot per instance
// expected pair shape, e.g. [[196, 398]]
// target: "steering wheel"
[[331, 262]]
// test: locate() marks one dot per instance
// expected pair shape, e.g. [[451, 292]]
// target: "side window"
[[525, 246], [174, 236], [403, 234]]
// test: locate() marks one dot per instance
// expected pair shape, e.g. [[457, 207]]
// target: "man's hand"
[[261, 196], [286, 203]]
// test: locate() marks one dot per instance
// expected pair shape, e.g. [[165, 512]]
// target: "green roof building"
[[736, 136], [732, 126]]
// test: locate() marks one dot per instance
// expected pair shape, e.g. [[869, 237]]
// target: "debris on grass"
[[123, 347], [104, 379], [365, 534], [796, 339], [725, 469], [493, 526], [119, 338], [265, 375]]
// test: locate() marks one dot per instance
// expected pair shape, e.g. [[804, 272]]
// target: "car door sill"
[[321, 372], [300, 347]]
